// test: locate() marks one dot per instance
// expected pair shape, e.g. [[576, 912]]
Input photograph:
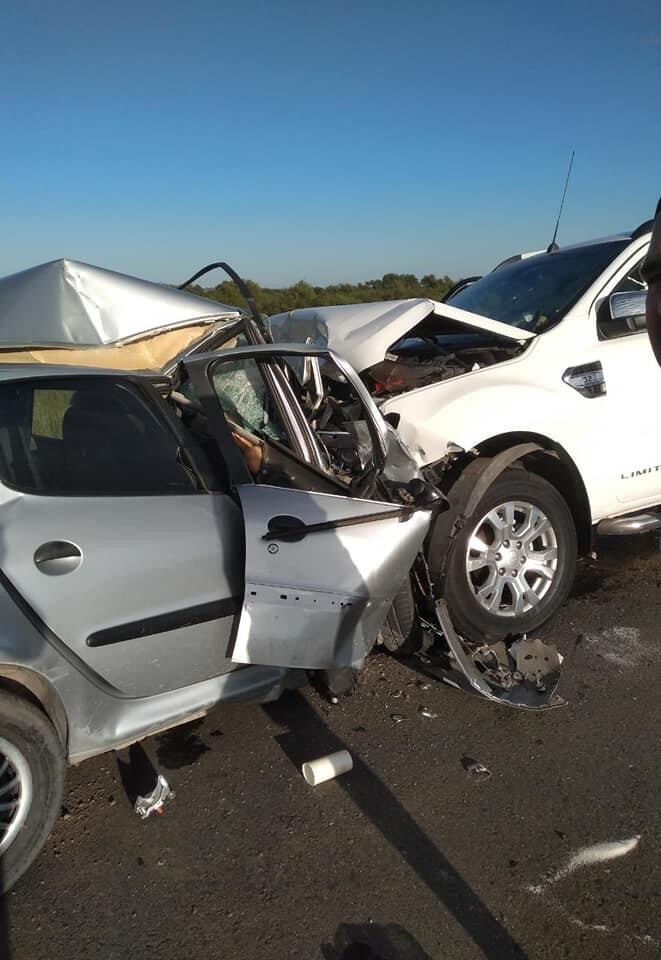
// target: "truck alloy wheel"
[[512, 563], [512, 558]]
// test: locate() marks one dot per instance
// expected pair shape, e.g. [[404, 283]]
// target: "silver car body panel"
[[68, 303], [152, 606], [165, 560], [320, 601], [94, 718], [363, 332]]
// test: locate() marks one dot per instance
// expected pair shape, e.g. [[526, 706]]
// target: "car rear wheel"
[[513, 561], [31, 783]]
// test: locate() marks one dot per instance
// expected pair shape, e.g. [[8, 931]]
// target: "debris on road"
[[597, 853], [535, 660], [155, 801], [327, 768], [397, 717], [475, 768], [522, 673], [426, 712]]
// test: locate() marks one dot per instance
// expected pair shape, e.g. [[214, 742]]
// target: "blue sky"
[[328, 142]]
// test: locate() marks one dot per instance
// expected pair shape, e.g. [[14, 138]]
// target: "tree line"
[[391, 286]]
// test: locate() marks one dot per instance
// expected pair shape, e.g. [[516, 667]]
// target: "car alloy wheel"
[[15, 793]]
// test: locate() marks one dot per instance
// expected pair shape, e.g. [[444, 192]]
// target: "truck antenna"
[[553, 246]]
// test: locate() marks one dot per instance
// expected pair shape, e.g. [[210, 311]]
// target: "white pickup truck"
[[533, 393]]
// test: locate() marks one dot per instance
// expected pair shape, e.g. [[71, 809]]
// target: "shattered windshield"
[[536, 293]]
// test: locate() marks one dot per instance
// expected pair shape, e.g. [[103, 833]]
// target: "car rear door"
[[107, 541]]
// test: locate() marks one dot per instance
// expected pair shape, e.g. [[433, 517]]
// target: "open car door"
[[321, 570], [321, 573]]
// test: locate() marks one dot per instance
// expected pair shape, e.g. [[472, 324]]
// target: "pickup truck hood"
[[363, 332], [65, 303]]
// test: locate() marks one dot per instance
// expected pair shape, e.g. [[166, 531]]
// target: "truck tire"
[[512, 564], [32, 769]]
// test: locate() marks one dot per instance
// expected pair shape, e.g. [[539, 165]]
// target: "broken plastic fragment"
[[426, 712], [154, 801], [535, 660], [397, 717], [475, 768]]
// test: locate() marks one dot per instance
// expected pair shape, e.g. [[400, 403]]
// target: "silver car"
[[215, 528], [147, 576]]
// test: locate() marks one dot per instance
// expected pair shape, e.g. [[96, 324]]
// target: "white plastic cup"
[[327, 768]]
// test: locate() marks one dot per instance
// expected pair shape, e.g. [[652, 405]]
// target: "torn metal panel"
[[492, 669], [68, 303]]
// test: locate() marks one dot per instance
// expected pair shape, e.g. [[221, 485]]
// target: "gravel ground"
[[409, 856]]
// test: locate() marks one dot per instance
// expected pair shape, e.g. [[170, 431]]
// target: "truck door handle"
[[58, 557]]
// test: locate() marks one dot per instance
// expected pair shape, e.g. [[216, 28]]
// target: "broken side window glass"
[[246, 400]]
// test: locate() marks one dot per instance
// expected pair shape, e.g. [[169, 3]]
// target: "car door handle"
[[293, 529], [58, 557]]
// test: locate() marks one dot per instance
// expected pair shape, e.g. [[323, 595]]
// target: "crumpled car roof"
[[69, 303]]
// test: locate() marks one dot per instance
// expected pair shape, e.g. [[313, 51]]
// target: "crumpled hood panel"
[[68, 303], [363, 332]]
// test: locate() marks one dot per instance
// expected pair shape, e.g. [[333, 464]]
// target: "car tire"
[[31, 756], [400, 633], [512, 592], [338, 681]]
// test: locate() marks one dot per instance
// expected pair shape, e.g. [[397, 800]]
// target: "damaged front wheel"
[[512, 563]]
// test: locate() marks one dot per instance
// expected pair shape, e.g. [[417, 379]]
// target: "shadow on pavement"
[[137, 773], [307, 736], [372, 941]]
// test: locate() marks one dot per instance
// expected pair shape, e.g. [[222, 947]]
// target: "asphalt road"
[[409, 853]]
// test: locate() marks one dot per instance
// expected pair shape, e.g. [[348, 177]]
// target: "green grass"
[[48, 409]]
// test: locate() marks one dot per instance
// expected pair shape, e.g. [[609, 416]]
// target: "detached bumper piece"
[[522, 673]]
